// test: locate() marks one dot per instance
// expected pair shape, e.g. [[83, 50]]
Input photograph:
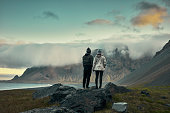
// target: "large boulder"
[[61, 93], [90, 100], [53, 109], [112, 88], [86, 101], [120, 106], [47, 91]]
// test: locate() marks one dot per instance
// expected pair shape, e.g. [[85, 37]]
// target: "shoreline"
[[32, 86]]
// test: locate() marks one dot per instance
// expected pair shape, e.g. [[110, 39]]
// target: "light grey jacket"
[[99, 63]]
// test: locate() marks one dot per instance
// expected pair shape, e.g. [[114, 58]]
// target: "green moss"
[[139, 103]]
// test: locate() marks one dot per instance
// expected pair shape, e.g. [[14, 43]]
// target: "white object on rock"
[[120, 106]]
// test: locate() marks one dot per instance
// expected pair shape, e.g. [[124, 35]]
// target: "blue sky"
[[45, 32], [62, 21]]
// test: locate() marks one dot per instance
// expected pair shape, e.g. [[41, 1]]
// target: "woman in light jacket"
[[99, 66]]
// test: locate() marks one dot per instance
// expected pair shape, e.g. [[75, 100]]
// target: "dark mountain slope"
[[156, 72], [50, 74]]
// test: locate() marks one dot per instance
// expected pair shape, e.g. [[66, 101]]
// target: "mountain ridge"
[[154, 73]]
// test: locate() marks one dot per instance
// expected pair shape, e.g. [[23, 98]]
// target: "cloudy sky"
[[57, 32]]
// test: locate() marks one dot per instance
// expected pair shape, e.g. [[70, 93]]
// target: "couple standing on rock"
[[98, 65]]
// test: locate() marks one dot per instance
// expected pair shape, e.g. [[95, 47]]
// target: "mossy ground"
[[14, 101], [140, 103]]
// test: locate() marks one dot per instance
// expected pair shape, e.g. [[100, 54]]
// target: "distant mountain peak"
[[167, 45], [16, 77]]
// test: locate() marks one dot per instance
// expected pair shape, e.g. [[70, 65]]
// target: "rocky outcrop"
[[47, 91], [80, 100], [87, 101], [90, 100], [112, 88], [53, 109], [61, 93]]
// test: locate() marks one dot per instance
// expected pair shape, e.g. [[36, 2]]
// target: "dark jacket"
[[87, 61]]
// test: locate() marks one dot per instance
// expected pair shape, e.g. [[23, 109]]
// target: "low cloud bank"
[[18, 56], [138, 45], [28, 55]]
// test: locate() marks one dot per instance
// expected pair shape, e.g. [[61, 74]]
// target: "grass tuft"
[[15, 101]]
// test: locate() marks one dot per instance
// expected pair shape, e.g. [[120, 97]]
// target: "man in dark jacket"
[[87, 64]]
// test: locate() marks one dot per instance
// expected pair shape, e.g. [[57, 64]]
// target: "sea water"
[[9, 86]]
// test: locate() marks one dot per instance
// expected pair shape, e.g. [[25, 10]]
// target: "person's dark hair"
[[88, 50]]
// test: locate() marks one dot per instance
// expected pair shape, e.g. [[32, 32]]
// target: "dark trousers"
[[96, 80], [86, 77]]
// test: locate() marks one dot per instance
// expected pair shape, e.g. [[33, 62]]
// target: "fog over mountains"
[[120, 67], [60, 54], [52, 62], [119, 64]]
